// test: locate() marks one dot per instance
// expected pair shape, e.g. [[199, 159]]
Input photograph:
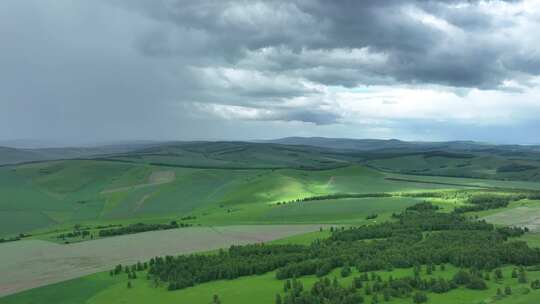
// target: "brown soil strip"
[[32, 263]]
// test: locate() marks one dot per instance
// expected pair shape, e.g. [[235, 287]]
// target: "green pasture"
[[101, 288], [479, 165], [233, 155], [350, 210], [465, 182], [59, 194]]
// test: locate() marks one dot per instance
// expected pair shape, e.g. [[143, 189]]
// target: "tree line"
[[336, 196], [419, 236], [489, 201], [14, 238], [326, 291], [140, 227]]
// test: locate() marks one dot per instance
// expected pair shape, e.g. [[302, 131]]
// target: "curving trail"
[[156, 178]]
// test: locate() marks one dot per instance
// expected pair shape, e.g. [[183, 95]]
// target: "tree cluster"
[[140, 227], [326, 291], [418, 236], [14, 238], [335, 196], [184, 271], [487, 201]]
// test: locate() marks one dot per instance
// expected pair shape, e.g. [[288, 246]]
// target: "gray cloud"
[[315, 116], [114, 69], [417, 52]]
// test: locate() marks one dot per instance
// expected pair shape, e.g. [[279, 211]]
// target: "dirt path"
[[141, 202], [156, 178], [32, 263], [330, 181]]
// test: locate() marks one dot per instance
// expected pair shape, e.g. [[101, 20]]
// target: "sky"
[[116, 70]]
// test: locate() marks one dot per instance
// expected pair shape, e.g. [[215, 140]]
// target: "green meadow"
[[101, 288], [57, 195]]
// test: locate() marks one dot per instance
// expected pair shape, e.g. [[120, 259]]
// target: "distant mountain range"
[[395, 144], [18, 153], [10, 155]]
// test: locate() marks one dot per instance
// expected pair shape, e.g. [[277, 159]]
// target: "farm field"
[[33, 263], [523, 214]]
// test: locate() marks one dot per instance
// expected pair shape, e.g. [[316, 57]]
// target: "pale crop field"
[[32, 263], [519, 216]]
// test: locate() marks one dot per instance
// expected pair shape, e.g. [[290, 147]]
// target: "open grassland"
[[60, 194], [348, 210], [32, 263], [49, 198], [23, 207], [233, 155], [444, 159], [101, 288], [57, 195], [304, 238], [265, 287], [477, 165], [457, 182]]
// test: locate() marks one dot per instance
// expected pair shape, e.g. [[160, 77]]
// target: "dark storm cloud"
[[528, 62], [317, 117], [417, 52]]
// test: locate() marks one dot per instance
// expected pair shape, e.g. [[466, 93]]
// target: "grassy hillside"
[[233, 155], [101, 288], [380, 144], [64, 193], [12, 156], [60, 194], [471, 165], [9, 155], [459, 159]]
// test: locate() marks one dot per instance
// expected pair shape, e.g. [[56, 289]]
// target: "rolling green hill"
[[61, 193], [405, 146], [9, 155], [458, 158], [471, 165], [229, 182], [233, 155]]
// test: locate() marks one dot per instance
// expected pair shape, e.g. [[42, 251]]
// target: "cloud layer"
[[178, 69]]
